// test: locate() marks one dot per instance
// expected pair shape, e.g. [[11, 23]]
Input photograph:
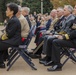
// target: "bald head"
[[53, 13]]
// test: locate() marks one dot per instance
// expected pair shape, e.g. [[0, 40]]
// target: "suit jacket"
[[58, 24], [72, 34], [24, 26], [27, 18], [48, 24], [13, 31], [65, 24]]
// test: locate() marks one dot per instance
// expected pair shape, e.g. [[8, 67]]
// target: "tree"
[[35, 5], [3, 7], [58, 3], [48, 6]]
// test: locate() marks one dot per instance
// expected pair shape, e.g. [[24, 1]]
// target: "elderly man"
[[24, 24], [55, 27], [51, 17], [25, 13], [65, 39]]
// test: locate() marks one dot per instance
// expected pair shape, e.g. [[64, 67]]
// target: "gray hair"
[[26, 9], [70, 8], [19, 8], [60, 8]]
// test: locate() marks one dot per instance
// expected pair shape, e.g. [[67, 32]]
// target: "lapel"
[[68, 19]]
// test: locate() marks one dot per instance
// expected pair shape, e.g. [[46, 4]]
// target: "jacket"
[[24, 26], [13, 31]]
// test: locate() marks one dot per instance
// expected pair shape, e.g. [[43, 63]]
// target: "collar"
[[68, 16]]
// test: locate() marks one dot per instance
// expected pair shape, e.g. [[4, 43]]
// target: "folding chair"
[[71, 54], [37, 49], [16, 52]]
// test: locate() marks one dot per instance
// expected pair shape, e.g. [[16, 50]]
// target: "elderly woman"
[[12, 37]]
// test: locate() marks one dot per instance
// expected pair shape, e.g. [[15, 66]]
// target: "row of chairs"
[[21, 51]]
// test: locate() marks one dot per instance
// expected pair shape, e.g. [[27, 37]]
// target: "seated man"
[[24, 25], [12, 37], [55, 28], [52, 17], [68, 40], [24, 30]]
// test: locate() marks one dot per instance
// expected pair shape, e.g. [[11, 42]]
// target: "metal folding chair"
[[16, 52], [71, 54]]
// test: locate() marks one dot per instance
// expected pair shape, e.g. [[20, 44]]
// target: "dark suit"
[[58, 24], [57, 44], [65, 25], [28, 20], [57, 27], [13, 31]]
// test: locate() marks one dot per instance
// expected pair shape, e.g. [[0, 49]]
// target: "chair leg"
[[38, 47], [11, 54], [71, 55], [65, 61], [11, 59], [25, 53], [13, 63], [26, 59]]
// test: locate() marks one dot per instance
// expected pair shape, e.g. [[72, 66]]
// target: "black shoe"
[[55, 68], [2, 65], [51, 63], [42, 59], [35, 56], [43, 62], [34, 49], [30, 53]]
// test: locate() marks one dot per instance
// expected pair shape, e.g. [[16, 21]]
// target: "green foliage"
[[47, 6], [35, 5], [59, 3], [3, 6]]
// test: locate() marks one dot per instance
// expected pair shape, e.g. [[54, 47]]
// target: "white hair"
[[54, 10], [26, 9]]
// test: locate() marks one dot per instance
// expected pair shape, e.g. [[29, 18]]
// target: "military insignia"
[[74, 26]]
